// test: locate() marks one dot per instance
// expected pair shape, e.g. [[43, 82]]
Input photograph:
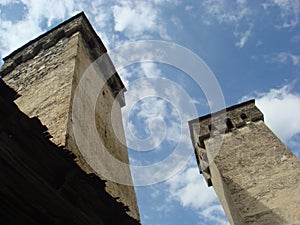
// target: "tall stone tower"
[[46, 73], [256, 177]]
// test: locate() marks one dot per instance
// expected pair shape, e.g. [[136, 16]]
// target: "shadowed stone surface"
[[41, 183]]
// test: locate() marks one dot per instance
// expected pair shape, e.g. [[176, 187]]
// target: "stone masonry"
[[45, 73], [40, 181], [256, 177]]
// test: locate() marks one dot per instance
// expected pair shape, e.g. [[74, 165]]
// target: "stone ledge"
[[226, 120], [28, 51]]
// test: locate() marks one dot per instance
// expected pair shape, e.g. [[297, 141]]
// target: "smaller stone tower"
[[256, 177]]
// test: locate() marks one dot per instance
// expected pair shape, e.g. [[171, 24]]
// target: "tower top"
[[78, 23], [224, 120], [215, 125]]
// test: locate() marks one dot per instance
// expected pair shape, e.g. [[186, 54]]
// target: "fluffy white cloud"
[[138, 18], [156, 100], [281, 109], [157, 105], [135, 18], [43, 9], [150, 69], [15, 34], [190, 190]]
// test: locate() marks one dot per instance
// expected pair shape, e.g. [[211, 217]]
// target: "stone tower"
[[256, 177], [46, 74]]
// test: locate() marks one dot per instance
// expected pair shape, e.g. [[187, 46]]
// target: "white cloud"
[[143, 106], [227, 13], [134, 18], [289, 11], [160, 103], [213, 213], [43, 9], [282, 57], [150, 69], [191, 191], [162, 109], [236, 15], [15, 34], [244, 36], [137, 18], [242, 16], [281, 109]]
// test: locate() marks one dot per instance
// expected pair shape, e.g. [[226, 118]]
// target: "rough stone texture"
[[45, 73], [255, 176], [41, 183], [92, 158], [43, 84]]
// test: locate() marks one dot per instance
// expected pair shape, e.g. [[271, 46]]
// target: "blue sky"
[[251, 47]]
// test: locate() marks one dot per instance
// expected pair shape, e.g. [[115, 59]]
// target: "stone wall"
[[46, 72], [44, 85], [41, 183], [102, 144], [255, 176]]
